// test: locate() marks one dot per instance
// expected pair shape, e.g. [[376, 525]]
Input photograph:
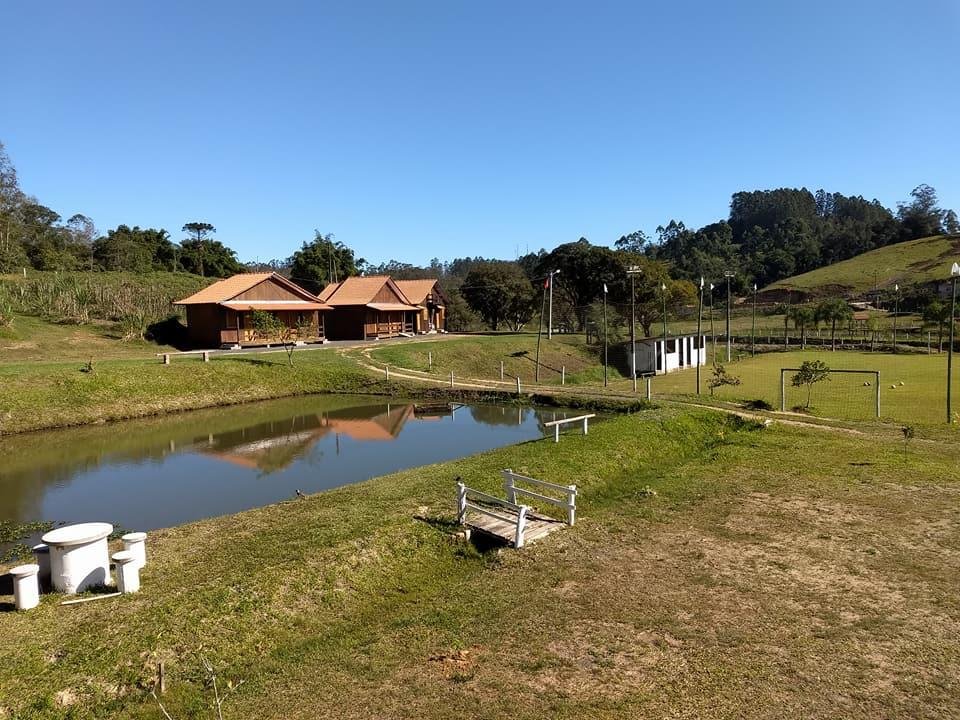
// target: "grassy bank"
[[36, 396], [716, 570]]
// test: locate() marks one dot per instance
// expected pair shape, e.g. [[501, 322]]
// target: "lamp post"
[[728, 275], [633, 271], [699, 333], [550, 311], [753, 325], [954, 274], [896, 311], [663, 290]]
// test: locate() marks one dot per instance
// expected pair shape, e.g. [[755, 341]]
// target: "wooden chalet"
[[222, 314], [432, 301], [368, 308]]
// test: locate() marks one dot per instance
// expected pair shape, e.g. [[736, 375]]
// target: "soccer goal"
[[843, 393]]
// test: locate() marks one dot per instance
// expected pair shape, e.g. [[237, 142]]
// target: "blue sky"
[[421, 129]]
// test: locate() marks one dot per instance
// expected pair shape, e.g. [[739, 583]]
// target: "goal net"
[[848, 394]]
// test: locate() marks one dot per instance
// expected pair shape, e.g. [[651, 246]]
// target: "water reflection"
[[162, 472]]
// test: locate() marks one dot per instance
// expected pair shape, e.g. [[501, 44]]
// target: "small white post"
[[451, 378], [24, 272], [648, 388], [128, 572], [501, 370], [508, 486], [571, 504], [556, 433], [585, 421], [386, 371], [461, 502], [521, 524], [928, 342], [430, 361], [136, 543], [166, 358], [518, 384], [26, 587], [563, 374], [206, 356]]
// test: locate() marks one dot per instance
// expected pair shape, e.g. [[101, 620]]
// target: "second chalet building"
[[367, 308]]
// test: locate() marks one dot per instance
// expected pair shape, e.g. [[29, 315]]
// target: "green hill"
[[915, 261]]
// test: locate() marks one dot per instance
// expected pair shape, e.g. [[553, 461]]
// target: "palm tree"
[[802, 316], [833, 311], [939, 313]]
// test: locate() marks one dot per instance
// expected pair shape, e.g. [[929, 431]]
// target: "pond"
[[148, 474]]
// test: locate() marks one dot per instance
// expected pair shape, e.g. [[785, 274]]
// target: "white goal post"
[[874, 373]]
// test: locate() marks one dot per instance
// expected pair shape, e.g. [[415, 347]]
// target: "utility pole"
[[954, 274], [604, 334], [633, 271], [728, 275], [896, 311], [753, 325], [699, 334], [550, 315]]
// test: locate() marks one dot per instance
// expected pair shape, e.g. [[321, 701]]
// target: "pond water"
[[155, 473]]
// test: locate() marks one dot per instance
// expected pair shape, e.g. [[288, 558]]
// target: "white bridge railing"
[[555, 424], [568, 501], [514, 514]]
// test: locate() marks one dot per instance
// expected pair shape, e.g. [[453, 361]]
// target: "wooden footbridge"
[[505, 519]]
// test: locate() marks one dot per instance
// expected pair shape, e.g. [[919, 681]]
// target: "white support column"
[[461, 502], [571, 504], [585, 422], [508, 486], [556, 433], [521, 525]]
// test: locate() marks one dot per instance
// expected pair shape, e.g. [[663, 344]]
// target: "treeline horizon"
[[768, 235]]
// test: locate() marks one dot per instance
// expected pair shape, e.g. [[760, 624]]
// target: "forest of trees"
[[768, 235]]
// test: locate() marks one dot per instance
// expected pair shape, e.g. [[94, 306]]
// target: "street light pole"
[[663, 289], [550, 312], [604, 334], [753, 326], [954, 274], [699, 334], [632, 271], [728, 275]]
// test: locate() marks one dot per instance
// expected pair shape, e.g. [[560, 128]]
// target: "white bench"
[[555, 424]]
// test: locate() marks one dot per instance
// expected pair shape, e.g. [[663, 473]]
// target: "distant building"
[[222, 314], [432, 301], [368, 308], [656, 356]]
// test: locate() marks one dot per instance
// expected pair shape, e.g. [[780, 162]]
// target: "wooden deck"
[[537, 526]]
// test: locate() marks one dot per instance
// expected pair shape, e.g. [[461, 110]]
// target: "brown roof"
[[359, 290], [224, 290], [417, 290]]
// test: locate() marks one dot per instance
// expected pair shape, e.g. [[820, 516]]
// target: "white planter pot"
[[26, 588]]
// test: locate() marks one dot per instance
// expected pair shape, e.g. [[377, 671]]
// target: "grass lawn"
[[920, 399], [33, 339], [716, 570], [480, 357]]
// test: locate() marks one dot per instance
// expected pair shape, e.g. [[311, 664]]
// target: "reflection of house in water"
[[272, 446]]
